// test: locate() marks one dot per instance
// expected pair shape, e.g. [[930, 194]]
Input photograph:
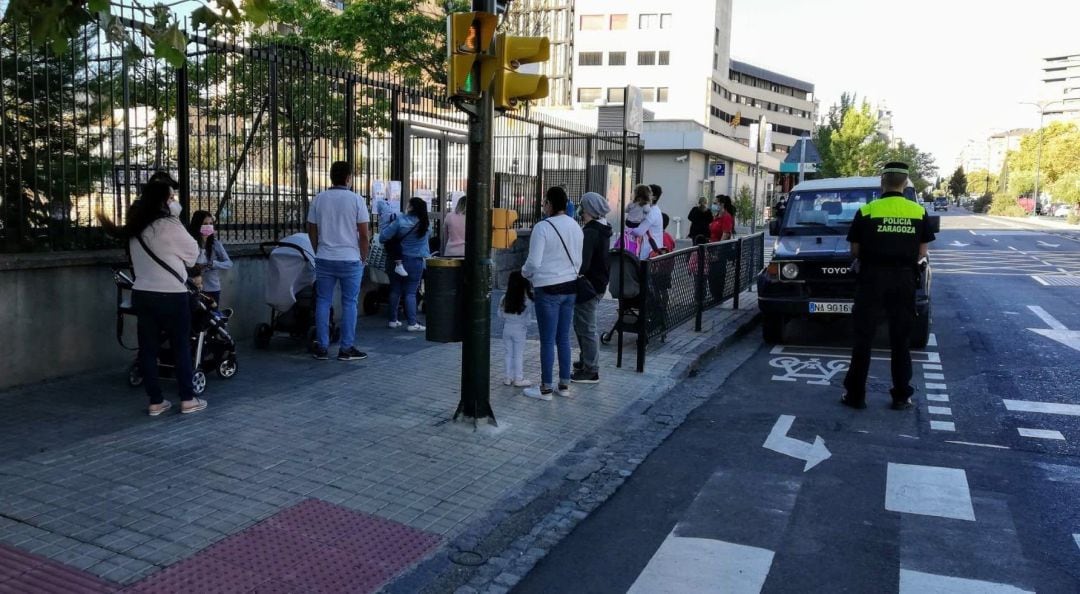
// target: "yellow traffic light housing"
[[513, 87], [502, 228], [468, 41]]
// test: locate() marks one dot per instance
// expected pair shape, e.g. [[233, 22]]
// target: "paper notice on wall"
[[394, 195], [378, 189]]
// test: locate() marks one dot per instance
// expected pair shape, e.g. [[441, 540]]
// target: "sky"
[[950, 70]]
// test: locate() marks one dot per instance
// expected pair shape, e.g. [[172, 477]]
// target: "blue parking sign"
[[719, 169]]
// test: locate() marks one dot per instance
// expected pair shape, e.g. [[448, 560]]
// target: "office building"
[[1061, 74]]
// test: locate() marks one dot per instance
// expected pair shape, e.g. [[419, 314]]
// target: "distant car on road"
[[941, 204], [1062, 210]]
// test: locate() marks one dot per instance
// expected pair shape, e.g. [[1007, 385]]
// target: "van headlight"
[[789, 271]]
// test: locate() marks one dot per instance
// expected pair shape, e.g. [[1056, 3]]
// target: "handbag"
[[585, 290], [376, 255]]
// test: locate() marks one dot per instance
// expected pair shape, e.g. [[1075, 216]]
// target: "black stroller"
[[290, 291], [212, 347], [627, 285]]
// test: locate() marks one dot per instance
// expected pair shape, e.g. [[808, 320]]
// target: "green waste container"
[[443, 299]]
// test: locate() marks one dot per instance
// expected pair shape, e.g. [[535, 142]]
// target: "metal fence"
[[682, 285], [249, 127]]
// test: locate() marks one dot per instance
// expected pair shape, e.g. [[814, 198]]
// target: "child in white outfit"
[[515, 309]]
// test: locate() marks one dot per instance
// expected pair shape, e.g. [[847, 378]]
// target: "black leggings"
[[169, 314]]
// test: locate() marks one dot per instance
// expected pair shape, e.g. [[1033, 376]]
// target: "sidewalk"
[[302, 475]]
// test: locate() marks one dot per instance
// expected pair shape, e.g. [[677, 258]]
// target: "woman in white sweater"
[[160, 296], [552, 268]]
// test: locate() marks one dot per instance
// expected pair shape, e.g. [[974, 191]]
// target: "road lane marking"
[[1041, 281], [1053, 408], [932, 366], [940, 410], [928, 491], [1040, 433], [981, 445], [937, 397], [942, 426], [934, 376], [845, 353], [1076, 537], [936, 387], [917, 582], [684, 564], [1047, 319], [932, 341], [1013, 249]]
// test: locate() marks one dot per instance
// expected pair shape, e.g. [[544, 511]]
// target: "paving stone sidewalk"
[[90, 483]]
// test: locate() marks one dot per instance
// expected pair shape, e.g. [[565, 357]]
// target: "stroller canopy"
[[291, 270], [625, 279]]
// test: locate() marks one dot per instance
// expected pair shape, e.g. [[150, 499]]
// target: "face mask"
[[206, 230], [175, 208], [715, 209]]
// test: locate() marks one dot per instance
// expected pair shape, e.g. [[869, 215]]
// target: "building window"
[[661, 95], [646, 58], [616, 94], [592, 22], [648, 95], [620, 22], [716, 61], [590, 59], [716, 38], [588, 94], [616, 58], [665, 21], [648, 21], [664, 59]]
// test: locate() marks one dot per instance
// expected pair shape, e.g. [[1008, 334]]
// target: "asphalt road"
[[975, 490]]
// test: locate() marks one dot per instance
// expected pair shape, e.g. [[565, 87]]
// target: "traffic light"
[[502, 228], [468, 42], [511, 86]]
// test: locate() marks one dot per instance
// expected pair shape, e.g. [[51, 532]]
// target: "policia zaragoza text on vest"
[[889, 238]]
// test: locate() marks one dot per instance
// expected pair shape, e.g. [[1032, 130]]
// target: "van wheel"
[[772, 328], [920, 335]]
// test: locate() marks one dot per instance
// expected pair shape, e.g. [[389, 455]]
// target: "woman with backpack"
[[412, 231]]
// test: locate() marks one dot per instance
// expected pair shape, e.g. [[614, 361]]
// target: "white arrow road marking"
[[1049, 245], [1057, 331], [778, 441], [956, 243]]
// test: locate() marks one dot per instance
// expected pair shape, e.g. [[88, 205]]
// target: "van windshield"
[[824, 212]]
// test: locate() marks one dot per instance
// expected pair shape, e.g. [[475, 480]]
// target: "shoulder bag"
[[585, 290]]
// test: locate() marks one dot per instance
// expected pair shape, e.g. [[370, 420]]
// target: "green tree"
[[977, 182], [1060, 158], [855, 146], [923, 167], [958, 183], [744, 205], [1067, 188]]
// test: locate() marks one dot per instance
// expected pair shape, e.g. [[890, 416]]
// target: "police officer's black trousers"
[[891, 290]]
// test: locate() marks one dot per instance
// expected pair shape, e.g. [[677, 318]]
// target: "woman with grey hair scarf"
[[594, 266]]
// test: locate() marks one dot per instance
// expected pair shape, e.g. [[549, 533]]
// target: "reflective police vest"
[[890, 230]]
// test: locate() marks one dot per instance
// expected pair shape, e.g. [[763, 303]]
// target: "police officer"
[[889, 239]]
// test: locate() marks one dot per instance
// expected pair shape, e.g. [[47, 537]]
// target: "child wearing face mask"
[[212, 255]]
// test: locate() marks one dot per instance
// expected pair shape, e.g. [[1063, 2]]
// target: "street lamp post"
[[1041, 105]]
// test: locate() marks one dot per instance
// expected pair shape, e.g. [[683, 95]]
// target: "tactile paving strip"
[[313, 546], [30, 574]]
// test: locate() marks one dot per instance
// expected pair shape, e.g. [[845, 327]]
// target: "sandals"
[[165, 405], [200, 404]]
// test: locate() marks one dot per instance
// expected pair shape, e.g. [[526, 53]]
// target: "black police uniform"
[[888, 231]]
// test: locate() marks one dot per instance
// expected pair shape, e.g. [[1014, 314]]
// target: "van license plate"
[[829, 308]]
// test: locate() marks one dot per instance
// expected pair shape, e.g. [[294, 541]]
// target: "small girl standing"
[[515, 311], [212, 255]]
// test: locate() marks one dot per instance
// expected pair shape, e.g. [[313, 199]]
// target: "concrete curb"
[[496, 552]]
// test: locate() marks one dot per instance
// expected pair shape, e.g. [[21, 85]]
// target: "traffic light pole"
[[475, 400]]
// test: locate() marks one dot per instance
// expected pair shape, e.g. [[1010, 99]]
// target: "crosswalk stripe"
[[936, 387], [1055, 408], [917, 582], [942, 426], [685, 565], [939, 410], [934, 376], [1040, 433], [928, 491], [937, 397]]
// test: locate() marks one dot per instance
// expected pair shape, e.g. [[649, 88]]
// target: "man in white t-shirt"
[[338, 225]]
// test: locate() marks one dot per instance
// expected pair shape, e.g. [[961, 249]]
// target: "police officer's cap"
[[896, 167]]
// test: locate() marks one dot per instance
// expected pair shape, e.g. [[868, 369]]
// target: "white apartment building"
[[978, 154], [750, 93], [1062, 77]]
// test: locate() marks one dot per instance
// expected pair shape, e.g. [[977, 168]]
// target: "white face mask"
[[175, 208]]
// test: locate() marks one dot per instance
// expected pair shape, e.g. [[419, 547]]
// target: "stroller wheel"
[[135, 377], [227, 368], [606, 337], [198, 382], [263, 332]]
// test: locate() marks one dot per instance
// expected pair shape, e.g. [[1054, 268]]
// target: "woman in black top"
[[699, 218]]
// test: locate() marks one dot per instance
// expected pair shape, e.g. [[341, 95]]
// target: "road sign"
[[719, 169], [633, 110]]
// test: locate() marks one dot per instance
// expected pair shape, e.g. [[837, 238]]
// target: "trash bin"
[[443, 299]]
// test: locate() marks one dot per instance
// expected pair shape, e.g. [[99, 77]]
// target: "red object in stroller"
[[290, 291]]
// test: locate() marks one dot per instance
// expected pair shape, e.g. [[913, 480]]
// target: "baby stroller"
[[290, 291], [626, 284], [212, 347]]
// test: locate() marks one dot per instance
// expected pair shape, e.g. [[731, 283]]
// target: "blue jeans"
[[554, 316], [407, 285], [328, 273]]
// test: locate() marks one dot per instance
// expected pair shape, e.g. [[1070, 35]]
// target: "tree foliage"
[[1060, 160], [980, 182], [958, 183]]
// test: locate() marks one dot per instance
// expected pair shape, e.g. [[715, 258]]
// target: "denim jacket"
[[412, 245]]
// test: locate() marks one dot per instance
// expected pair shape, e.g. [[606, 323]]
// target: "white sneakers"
[[537, 393], [394, 325], [521, 383], [400, 270], [416, 328]]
